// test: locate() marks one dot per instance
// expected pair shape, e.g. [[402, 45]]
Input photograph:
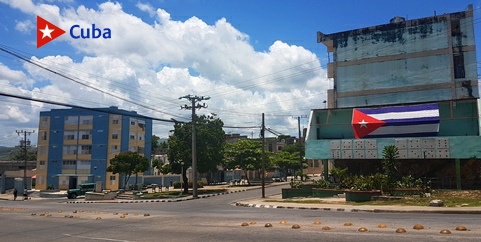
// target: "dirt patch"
[[460, 194]]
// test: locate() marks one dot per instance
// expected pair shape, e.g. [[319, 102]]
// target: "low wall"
[[52, 194], [94, 196]]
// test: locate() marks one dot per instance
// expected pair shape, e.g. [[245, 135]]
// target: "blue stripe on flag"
[[412, 121]]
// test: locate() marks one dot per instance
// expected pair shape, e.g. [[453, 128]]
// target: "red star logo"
[[363, 124], [46, 31]]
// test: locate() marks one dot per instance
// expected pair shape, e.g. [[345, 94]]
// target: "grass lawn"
[[470, 198]]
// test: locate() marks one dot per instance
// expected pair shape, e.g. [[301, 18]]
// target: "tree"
[[128, 163], [285, 161], [245, 154], [18, 154], [390, 166], [155, 143], [296, 152], [163, 168], [210, 140], [157, 146]]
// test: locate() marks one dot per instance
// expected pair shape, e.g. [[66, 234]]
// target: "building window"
[[43, 121], [69, 120], [115, 149], [43, 135], [83, 165], [458, 60], [115, 134], [63, 180], [85, 134], [86, 150], [132, 121], [70, 135], [115, 119], [141, 136], [132, 135], [270, 147], [42, 150], [112, 180], [40, 180], [141, 124], [69, 149], [41, 164], [86, 119], [69, 165]]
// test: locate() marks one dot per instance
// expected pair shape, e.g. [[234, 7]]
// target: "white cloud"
[[146, 8], [154, 64], [24, 26], [25, 6]]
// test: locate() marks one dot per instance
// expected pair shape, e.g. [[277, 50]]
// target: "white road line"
[[96, 238]]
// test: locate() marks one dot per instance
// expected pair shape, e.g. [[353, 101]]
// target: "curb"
[[159, 200], [375, 210]]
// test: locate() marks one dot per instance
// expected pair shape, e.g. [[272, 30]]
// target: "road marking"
[[96, 238]]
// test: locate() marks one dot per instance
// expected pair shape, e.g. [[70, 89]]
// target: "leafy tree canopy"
[[155, 143], [128, 163], [18, 154], [285, 161], [210, 140], [297, 147], [245, 154]]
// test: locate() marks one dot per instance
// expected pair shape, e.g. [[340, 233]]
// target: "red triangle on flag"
[[46, 31], [363, 124]]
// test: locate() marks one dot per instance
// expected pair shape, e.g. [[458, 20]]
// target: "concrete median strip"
[[160, 200], [260, 203]]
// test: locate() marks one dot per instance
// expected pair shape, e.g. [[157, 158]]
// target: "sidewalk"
[[336, 204]]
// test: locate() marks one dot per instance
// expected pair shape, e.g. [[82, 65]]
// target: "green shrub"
[[321, 183], [296, 184], [362, 183], [380, 181], [338, 174], [50, 187]]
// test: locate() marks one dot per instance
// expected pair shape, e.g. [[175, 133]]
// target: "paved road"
[[216, 219]]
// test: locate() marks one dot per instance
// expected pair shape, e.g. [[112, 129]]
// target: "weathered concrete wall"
[[92, 196]]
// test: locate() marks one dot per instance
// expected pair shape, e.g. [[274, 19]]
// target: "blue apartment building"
[[75, 145]]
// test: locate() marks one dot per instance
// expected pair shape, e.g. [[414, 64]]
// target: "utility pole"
[[263, 157], [299, 143], [24, 144], [193, 99]]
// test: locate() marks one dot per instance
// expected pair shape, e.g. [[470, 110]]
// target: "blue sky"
[[250, 56]]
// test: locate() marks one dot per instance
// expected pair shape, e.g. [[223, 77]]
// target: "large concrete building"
[[409, 83], [75, 145]]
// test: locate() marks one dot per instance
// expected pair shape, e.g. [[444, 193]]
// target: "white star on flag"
[[363, 123], [46, 32]]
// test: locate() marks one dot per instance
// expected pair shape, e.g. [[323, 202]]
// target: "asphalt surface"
[[276, 202]]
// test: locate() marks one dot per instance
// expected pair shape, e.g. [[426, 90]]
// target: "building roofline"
[[325, 38]]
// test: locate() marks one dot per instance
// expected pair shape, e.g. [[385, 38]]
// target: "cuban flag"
[[396, 121]]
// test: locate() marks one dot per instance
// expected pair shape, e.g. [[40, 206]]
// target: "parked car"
[[278, 179], [81, 190]]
